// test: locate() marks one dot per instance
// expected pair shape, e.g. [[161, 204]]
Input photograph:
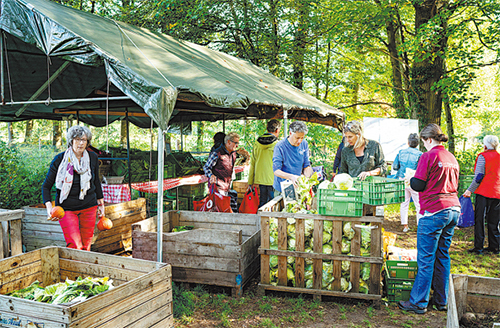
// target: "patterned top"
[[373, 159]]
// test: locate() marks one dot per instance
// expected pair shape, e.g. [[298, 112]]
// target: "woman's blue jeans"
[[434, 236]]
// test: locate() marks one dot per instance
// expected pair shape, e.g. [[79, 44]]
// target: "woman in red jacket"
[[486, 186]]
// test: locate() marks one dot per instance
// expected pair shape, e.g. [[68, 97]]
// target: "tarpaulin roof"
[[54, 52]]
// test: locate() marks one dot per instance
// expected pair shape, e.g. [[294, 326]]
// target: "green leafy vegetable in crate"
[[64, 292], [182, 228]]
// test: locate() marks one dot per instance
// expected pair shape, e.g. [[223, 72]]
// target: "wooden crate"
[[38, 232], [471, 294], [10, 236], [142, 296], [273, 210], [222, 247]]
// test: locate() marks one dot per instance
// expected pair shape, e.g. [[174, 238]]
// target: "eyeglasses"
[[80, 140], [236, 143]]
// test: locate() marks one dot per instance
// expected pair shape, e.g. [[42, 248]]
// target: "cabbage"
[[346, 246], [365, 271], [289, 273], [346, 266], [273, 261], [343, 181], [327, 249], [365, 237], [291, 243], [363, 287], [326, 237], [324, 185], [348, 231], [328, 226], [345, 285]]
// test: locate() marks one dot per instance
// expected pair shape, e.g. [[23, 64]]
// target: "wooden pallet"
[[38, 232], [142, 296], [272, 210], [221, 247], [10, 236]]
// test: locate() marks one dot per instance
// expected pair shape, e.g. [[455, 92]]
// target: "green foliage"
[[183, 301], [466, 159]]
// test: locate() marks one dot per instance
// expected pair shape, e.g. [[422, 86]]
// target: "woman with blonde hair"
[[486, 186], [361, 157]]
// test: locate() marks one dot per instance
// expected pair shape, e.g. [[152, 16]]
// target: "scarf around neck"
[[65, 173]]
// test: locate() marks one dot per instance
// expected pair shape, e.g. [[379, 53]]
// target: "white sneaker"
[[406, 229]]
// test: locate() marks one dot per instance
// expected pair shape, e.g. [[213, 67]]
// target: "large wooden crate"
[[272, 210], [10, 235], [471, 294], [142, 296], [221, 250], [38, 232]]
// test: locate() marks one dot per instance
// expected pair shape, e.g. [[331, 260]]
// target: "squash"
[[104, 224], [57, 212]]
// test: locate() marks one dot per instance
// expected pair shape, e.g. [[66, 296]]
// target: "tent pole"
[[128, 153], [1, 66], [223, 123], [161, 158], [285, 123]]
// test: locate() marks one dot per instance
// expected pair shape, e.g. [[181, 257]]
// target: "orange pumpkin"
[[104, 224], [57, 212]]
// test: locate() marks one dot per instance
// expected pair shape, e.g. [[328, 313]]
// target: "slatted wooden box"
[[142, 296], [38, 232], [10, 235], [272, 210], [221, 247]]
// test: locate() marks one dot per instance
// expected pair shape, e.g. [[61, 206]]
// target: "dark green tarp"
[[54, 52]]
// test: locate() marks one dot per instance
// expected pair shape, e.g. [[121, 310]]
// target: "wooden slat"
[[40, 243], [355, 250], [337, 249], [21, 283], [351, 258], [299, 247], [42, 227], [246, 230], [318, 249], [16, 242], [149, 224], [210, 263], [218, 218], [106, 313], [19, 261], [460, 285], [2, 244], [483, 285], [374, 219], [264, 258], [24, 321], [5, 239], [249, 251], [321, 292], [282, 245], [452, 318], [103, 242], [50, 265], [375, 246], [98, 270], [120, 226], [39, 219], [482, 303], [9, 215], [81, 310], [168, 322], [206, 277], [120, 207], [28, 234], [75, 275], [159, 314], [19, 273]]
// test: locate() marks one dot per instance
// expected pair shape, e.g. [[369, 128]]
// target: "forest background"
[[431, 60]]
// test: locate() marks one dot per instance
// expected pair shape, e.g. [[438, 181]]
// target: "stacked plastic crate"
[[399, 279]]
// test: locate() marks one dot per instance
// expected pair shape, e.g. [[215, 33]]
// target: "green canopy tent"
[[56, 61]]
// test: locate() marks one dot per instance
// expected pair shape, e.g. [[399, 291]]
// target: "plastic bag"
[[214, 202], [466, 218], [250, 202]]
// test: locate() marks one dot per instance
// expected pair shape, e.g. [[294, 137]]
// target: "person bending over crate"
[[75, 173], [361, 157], [436, 178]]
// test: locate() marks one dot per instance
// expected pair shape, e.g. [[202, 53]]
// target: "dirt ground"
[[282, 310]]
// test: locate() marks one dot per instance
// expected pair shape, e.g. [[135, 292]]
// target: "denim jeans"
[[266, 194], [434, 236]]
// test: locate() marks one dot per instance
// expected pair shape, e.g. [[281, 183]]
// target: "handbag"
[[250, 202], [214, 202], [466, 218]]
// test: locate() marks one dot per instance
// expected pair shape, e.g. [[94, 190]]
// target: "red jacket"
[[490, 185]]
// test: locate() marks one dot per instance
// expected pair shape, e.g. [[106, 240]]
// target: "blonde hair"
[[356, 128]]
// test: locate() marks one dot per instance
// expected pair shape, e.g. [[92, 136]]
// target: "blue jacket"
[[406, 158]]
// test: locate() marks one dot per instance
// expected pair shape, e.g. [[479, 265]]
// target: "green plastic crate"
[[398, 289], [336, 202], [196, 190], [401, 269], [381, 191]]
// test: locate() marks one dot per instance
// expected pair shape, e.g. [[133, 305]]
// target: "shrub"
[[467, 159]]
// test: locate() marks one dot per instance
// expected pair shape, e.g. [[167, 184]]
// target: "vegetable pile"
[[305, 196], [64, 292]]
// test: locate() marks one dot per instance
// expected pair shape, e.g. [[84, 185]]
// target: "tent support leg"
[[285, 122], [161, 161], [1, 66], [128, 153]]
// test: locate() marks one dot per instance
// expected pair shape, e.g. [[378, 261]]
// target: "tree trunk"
[[397, 69], [10, 132], [300, 43], [29, 131], [428, 70], [199, 138], [56, 134], [123, 133], [449, 127], [274, 60], [327, 71]]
